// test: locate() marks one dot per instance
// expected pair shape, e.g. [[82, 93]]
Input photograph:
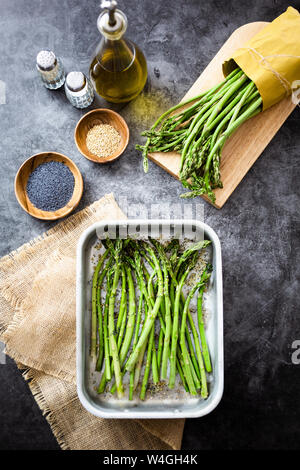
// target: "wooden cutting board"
[[248, 142]]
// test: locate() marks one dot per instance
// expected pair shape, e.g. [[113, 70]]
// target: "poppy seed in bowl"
[[50, 186]]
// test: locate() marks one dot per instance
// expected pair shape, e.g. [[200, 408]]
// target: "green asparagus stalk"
[[123, 301], [201, 283], [136, 335], [94, 305], [131, 317], [138, 367], [160, 348], [152, 314], [100, 357], [154, 364], [111, 324], [130, 325], [193, 128], [161, 295], [123, 324], [147, 367], [107, 372], [175, 328], [205, 351], [149, 295], [168, 320], [168, 269]]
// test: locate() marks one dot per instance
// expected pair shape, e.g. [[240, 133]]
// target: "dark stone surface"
[[259, 226]]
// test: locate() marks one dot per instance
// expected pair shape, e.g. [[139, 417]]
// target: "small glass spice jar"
[[79, 90], [50, 69]]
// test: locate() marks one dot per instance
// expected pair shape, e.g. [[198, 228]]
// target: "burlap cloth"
[[37, 324]]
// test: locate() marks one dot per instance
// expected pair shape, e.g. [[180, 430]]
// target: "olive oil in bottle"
[[119, 69]]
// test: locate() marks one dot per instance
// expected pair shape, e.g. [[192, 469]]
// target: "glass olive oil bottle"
[[119, 69]]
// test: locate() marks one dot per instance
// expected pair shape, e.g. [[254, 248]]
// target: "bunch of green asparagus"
[[198, 129], [152, 325]]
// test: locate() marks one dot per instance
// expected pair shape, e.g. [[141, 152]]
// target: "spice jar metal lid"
[[46, 60], [75, 81]]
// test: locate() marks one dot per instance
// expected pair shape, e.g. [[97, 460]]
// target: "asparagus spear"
[[152, 314], [130, 325], [123, 301], [100, 319], [205, 350], [175, 331], [160, 347], [196, 131], [136, 265], [195, 371], [159, 299], [204, 278], [123, 324], [111, 325], [136, 334], [129, 330], [147, 367], [131, 317], [94, 305], [107, 372]]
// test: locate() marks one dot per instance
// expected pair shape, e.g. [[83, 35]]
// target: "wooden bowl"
[[96, 117], [21, 183]]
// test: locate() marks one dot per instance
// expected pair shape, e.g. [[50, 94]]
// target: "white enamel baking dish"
[[169, 404]]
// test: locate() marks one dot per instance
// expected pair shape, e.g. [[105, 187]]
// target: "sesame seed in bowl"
[[101, 135], [103, 140]]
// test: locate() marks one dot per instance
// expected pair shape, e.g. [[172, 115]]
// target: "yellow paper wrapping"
[[271, 59]]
